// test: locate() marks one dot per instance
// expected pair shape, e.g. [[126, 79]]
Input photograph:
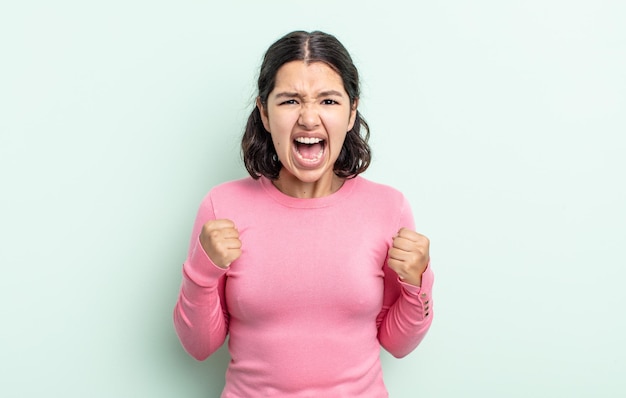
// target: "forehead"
[[301, 76]]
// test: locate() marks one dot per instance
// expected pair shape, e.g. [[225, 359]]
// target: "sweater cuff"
[[200, 269], [425, 287], [421, 296]]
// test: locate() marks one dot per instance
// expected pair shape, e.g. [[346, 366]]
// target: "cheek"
[[282, 122], [336, 142], [339, 130], [279, 143], [339, 141], [281, 134]]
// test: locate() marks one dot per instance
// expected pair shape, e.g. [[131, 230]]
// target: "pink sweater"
[[311, 300]]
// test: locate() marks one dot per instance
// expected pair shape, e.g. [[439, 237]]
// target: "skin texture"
[[309, 101], [220, 241], [409, 256]]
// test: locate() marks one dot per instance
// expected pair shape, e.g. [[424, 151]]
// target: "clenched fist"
[[409, 256], [220, 241]]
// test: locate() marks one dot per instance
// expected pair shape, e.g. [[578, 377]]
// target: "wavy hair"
[[259, 155]]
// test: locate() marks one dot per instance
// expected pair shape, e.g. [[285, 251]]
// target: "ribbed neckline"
[[312, 203]]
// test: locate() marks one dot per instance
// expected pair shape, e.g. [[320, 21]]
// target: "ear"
[[353, 110], [263, 112]]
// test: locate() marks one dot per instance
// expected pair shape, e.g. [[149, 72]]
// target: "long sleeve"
[[407, 313], [200, 318], [310, 301], [407, 310]]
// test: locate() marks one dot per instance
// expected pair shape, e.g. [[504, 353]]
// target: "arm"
[[407, 313], [200, 316]]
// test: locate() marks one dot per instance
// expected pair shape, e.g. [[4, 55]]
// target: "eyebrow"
[[327, 93]]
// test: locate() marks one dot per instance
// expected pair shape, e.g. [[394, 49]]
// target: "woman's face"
[[308, 115]]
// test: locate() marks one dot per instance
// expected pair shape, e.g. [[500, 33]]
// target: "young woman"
[[308, 267]]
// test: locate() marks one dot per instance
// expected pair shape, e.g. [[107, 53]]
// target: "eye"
[[330, 102], [289, 102]]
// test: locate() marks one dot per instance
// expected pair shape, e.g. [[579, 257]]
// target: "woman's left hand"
[[409, 256]]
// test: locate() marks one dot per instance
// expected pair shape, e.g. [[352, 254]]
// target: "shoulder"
[[235, 187], [232, 191], [383, 204], [231, 197], [378, 191]]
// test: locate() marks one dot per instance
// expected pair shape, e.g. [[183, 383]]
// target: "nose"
[[309, 117]]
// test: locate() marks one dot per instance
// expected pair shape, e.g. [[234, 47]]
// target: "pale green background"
[[502, 121]]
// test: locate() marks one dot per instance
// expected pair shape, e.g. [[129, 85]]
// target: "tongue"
[[309, 151]]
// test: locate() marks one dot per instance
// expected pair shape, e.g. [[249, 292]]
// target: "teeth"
[[314, 159], [308, 140]]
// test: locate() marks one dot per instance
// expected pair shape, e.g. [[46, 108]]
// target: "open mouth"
[[309, 149]]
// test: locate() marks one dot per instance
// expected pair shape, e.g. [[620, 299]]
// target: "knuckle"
[[206, 228]]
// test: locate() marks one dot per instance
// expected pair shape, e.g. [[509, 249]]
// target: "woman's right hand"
[[220, 241]]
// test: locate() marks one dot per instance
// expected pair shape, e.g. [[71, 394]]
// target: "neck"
[[291, 186]]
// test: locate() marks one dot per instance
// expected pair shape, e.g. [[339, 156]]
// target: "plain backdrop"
[[503, 122]]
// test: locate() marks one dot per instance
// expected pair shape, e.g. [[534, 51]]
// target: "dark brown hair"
[[258, 151]]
